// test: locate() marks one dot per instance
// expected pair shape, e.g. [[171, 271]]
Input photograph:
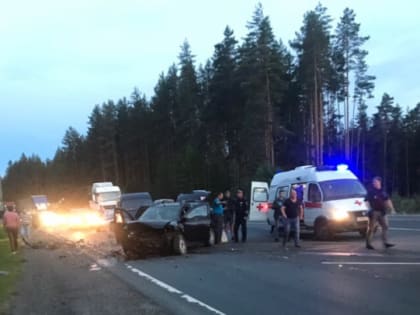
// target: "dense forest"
[[256, 107]]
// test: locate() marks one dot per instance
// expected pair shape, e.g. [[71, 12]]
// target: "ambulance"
[[333, 199]]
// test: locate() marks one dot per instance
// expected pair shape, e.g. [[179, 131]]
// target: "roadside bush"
[[406, 205]]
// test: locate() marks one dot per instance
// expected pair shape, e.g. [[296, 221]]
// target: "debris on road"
[[4, 273]]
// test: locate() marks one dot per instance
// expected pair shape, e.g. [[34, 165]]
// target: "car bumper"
[[355, 222]]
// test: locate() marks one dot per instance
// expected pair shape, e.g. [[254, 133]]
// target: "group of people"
[[229, 215], [13, 222], [289, 212]]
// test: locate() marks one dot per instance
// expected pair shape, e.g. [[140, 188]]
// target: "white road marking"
[[342, 254], [404, 229], [171, 289], [385, 263]]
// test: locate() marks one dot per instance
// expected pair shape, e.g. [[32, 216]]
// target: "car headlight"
[[340, 214]]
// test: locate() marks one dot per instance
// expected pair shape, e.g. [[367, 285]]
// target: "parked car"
[[195, 195], [165, 200], [135, 203], [166, 228]]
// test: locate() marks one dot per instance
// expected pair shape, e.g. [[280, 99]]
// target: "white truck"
[[105, 197], [333, 199]]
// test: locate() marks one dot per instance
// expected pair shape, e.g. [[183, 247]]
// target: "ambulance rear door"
[[259, 206]]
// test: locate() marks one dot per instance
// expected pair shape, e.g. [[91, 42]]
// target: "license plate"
[[362, 219]]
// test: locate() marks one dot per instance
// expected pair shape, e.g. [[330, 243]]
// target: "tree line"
[[257, 106]]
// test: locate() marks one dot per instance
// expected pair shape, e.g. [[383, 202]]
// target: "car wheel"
[[321, 230], [212, 238], [179, 245], [126, 250]]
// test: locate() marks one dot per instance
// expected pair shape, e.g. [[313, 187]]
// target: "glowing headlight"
[[339, 214]]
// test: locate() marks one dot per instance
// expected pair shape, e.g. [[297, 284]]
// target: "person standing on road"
[[11, 222], [277, 204], [292, 212], [228, 214], [26, 221], [217, 217], [241, 216], [378, 203]]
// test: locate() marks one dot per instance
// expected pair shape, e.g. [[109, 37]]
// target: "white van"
[[105, 197], [333, 199]]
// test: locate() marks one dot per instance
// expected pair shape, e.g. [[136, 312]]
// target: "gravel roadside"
[[60, 279]]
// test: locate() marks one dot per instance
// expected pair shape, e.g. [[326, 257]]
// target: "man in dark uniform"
[[277, 204], [241, 215], [378, 202]]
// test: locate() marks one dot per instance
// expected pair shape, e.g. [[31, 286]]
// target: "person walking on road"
[[241, 216], [228, 214], [26, 221], [378, 203], [11, 223], [292, 212], [217, 217], [277, 204]]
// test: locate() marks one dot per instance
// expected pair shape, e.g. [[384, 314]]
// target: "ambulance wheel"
[[321, 230]]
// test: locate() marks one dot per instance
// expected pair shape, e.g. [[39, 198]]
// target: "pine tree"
[[260, 73], [313, 47], [348, 44]]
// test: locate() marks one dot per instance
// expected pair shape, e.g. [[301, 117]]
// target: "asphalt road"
[[260, 277], [59, 279]]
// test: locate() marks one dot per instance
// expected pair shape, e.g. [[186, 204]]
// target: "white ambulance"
[[333, 199]]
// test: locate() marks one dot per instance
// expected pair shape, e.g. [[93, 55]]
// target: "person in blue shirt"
[[218, 217]]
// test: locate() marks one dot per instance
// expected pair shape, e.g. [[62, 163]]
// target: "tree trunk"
[[315, 120], [321, 129], [269, 149], [115, 162]]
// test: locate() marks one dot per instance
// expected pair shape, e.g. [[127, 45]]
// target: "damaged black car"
[[167, 228]]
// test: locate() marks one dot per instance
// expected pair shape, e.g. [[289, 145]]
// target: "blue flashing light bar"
[[342, 167]]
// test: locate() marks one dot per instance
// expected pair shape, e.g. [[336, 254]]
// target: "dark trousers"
[[376, 217], [288, 224], [218, 227], [12, 233], [240, 223]]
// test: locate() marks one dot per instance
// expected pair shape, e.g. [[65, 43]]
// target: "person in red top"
[[11, 223]]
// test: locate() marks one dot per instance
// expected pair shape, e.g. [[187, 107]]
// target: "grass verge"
[[407, 205], [10, 264]]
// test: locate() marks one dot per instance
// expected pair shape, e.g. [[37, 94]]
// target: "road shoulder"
[[65, 281]]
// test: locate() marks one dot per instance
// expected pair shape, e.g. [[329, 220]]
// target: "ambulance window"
[[284, 191], [260, 194], [314, 194]]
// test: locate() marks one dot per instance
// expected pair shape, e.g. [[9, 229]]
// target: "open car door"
[[259, 206], [121, 217]]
